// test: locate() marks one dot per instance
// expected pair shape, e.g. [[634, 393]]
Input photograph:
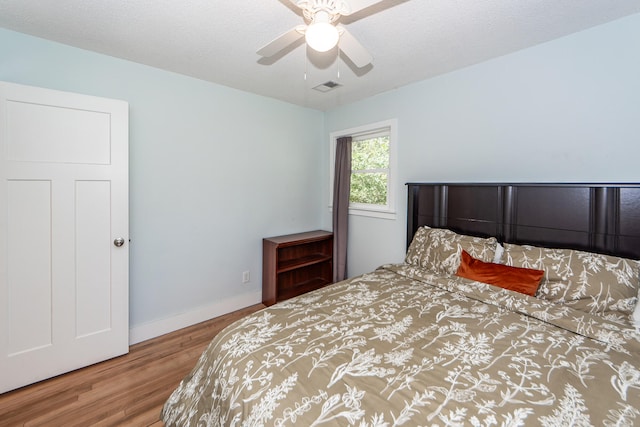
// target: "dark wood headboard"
[[603, 218]]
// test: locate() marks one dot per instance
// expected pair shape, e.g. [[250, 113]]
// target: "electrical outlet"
[[246, 277]]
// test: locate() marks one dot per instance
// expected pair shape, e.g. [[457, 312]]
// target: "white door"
[[64, 284]]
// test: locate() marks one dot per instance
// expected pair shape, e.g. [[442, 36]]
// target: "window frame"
[[389, 127]]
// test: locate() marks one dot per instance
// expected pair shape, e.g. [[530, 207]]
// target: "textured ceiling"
[[216, 40]]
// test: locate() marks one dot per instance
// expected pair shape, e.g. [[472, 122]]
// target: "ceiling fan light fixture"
[[321, 30], [321, 36]]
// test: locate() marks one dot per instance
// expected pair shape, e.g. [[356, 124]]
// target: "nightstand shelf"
[[302, 262], [295, 264]]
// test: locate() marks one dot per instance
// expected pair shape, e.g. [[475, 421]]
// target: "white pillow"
[[497, 259], [635, 316]]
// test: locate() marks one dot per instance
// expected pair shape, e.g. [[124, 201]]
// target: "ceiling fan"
[[322, 33]]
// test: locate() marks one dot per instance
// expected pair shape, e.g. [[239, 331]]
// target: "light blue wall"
[[212, 171], [567, 110]]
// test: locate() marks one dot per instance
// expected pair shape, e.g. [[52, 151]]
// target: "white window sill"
[[372, 213]]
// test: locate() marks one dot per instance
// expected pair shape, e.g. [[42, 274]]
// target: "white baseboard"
[[164, 326]]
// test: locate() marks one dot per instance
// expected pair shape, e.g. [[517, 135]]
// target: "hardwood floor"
[[126, 391]]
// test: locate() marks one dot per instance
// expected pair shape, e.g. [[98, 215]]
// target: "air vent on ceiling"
[[327, 86]]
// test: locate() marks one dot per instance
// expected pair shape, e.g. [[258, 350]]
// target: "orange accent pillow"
[[523, 280]]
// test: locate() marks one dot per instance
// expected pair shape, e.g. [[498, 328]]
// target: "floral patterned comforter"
[[401, 346]]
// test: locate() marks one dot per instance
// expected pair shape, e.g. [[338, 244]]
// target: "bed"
[[515, 305]]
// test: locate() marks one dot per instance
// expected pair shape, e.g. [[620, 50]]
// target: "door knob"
[[118, 242]]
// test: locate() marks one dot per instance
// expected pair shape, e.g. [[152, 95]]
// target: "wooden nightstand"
[[295, 264]]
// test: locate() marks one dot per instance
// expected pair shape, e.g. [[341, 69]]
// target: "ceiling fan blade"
[[282, 41], [351, 47], [358, 5], [300, 3]]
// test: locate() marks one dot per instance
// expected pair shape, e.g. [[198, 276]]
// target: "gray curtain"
[[341, 188]]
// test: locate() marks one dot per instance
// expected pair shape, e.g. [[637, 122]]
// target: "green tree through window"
[[370, 170]]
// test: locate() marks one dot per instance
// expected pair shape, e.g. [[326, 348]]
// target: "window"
[[369, 170], [372, 169]]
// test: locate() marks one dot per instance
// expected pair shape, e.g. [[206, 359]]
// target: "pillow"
[[497, 259], [635, 316], [594, 283], [438, 249], [523, 280]]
